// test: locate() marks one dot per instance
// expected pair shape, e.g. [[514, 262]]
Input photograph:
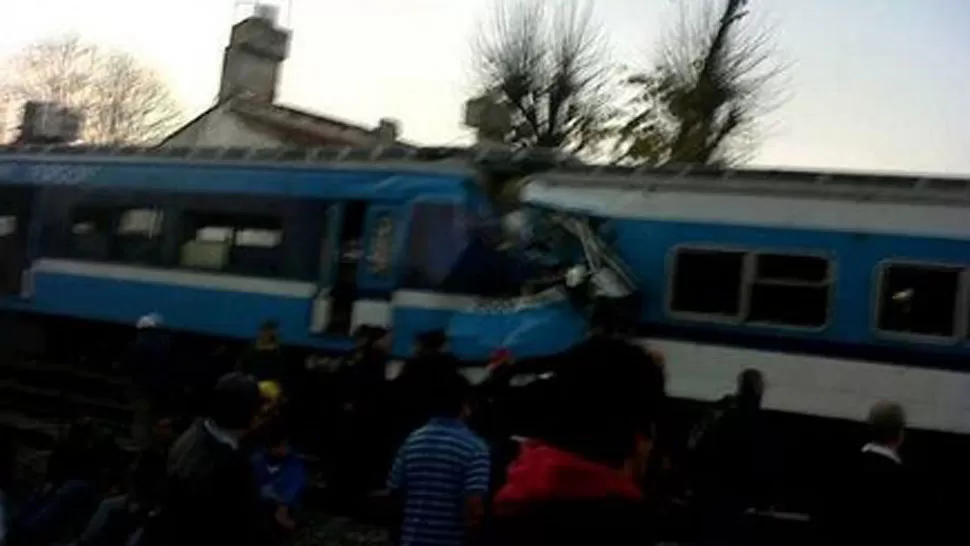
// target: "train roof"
[[901, 188], [376, 173], [380, 158], [546, 169]]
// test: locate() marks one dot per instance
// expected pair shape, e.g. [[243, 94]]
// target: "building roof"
[[293, 126]]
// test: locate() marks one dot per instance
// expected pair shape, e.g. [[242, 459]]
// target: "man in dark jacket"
[[362, 451], [878, 501], [577, 481], [212, 497], [430, 363], [264, 358], [727, 460], [149, 362]]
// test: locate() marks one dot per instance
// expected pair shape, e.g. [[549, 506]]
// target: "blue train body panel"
[[646, 247]]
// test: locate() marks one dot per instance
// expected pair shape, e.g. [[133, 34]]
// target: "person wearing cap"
[[149, 362], [212, 496]]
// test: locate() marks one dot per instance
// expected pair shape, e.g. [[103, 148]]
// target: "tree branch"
[[123, 101]]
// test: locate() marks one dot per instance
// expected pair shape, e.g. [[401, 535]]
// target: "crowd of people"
[[574, 449]]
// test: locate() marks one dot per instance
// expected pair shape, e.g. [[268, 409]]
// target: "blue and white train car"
[[217, 241], [843, 289]]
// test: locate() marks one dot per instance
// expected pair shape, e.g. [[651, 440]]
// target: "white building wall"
[[221, 128]]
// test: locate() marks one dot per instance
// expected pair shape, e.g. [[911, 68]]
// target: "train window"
[[258, 238], [919, 299], [790, 290], [436, 242], [707, 282], [142, 222], [8, 226], [91, 233], [448, 251], [138, 236], [243, 245], [214, 234]]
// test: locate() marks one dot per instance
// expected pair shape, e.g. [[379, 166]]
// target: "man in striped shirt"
[[441, 473]]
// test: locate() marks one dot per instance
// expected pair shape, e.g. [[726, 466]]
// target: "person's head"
[[887, 424], [235, 401], [606, 393], [151, 321], [431, 342], [751, 388], [277, 442], [270, 395], [361, 336], [380, 339], [449, 396], [268, 333], [165, 431]]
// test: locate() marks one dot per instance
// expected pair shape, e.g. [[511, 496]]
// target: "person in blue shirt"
[[281, 477], [440, 476]]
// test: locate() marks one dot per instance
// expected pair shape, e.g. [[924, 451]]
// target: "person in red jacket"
[[577, 480]]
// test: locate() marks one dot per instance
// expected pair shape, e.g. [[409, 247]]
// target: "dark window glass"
[[790, 290], [116, 234], [436, 242], [785, 267], [138, 238], [11, 255], [801, 306], [707, 282], [919, 299], [91, 232]]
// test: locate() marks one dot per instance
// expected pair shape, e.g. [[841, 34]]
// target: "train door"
[[376, 275], [15, 208], [343, 289]]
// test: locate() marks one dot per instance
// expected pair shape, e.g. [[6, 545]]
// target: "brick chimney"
[[252, 61], [387, 131]]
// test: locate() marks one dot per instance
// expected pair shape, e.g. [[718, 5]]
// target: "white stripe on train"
[[821, 386], [804, 384], [723, 208]]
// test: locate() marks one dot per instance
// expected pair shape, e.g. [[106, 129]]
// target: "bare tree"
[[548, 66], [123, 101], [703, 100]]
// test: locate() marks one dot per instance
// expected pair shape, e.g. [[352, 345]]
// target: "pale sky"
[[874, 84]]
